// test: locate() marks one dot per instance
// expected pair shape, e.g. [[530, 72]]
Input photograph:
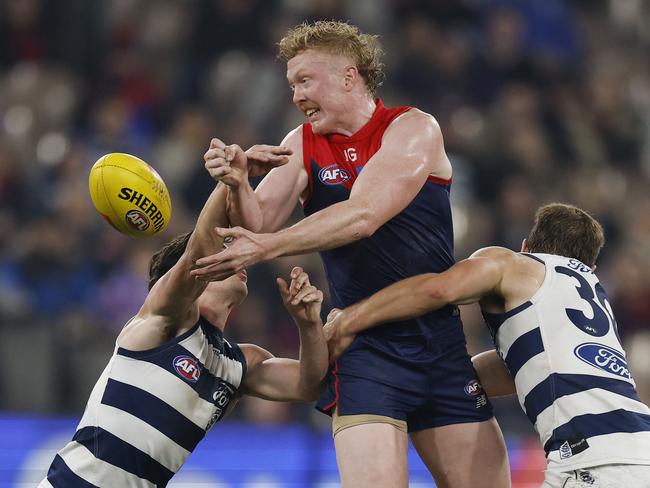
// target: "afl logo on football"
[[188, 368], [137, 220], [473, 388], [333, 175]]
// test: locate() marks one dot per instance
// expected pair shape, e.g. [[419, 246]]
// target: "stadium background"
[[539, 101]]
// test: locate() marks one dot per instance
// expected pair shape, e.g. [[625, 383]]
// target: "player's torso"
[[563, 351], [417, 240], [149, 409]]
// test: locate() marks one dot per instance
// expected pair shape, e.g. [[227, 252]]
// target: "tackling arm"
[[468, 281], [493, 374]]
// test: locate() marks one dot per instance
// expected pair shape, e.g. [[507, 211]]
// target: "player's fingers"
[[276, 161], [222, 257], [298, 279], [315, 296], [231, 151], [284, 288], [333, 313], [302, 294], [214, 156], [228, 232], [215, 142], [267, 148], [213, 272], [300, 282], [218, 173], [205, 265]]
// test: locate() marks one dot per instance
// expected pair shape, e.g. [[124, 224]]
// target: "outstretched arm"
[[177, 290], [287, 379], [270, 205], [493, 374], [170, 305], [468, 281], [413, 141]]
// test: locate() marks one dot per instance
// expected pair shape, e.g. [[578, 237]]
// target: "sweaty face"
[[317, 80]]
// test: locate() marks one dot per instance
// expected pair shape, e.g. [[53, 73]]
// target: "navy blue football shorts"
[[430, 385]]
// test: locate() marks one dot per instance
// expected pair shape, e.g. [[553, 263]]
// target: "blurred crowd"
[[538, 100]]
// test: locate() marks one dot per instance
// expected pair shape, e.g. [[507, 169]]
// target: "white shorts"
[[605, 476]]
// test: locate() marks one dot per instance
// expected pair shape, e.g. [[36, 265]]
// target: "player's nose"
[[298, 95]]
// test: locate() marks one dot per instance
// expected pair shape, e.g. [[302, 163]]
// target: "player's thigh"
[[465, 455], [371, 451]]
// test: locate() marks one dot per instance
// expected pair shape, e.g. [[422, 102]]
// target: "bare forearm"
[[332, 227], [401, 301], [313, 360], [493, 374], [204, 240], [244, 208]]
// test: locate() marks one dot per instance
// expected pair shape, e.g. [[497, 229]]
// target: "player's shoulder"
[[414, 122], [294, 136], [496, 253], [415, 116]]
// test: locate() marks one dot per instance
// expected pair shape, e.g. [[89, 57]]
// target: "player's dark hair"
[[163, 260], [567, 231]]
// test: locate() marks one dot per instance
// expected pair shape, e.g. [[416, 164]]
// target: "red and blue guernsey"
[[417, 240]]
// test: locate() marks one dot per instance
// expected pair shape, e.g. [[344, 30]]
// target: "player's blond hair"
[[567, 231], [338, 38]]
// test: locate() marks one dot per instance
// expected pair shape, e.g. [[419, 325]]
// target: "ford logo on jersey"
[[188, 368], [603, 357], [333, 175]]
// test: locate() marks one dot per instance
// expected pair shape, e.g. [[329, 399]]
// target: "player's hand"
[[245, 249], [302, 299], [262, 158], [337, 339], [227, 164]]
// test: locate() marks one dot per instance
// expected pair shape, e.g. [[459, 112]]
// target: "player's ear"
[[524, 246], [350, 77], [593, 268]]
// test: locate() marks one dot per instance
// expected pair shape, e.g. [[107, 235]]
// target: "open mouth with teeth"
[[312, 112]]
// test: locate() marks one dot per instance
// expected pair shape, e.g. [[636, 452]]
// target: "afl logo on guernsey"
[[473, 388], [603, 357], [188, 368], [333, 175]]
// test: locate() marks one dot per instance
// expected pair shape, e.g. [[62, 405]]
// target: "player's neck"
[[358, 113]]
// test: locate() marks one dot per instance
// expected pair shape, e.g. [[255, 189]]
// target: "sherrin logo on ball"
[[130, 195]]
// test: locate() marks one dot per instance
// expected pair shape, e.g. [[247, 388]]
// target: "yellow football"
[[130, 195]]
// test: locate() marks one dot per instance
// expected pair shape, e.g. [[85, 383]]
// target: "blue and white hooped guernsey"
[[563, 351], [148, 411]]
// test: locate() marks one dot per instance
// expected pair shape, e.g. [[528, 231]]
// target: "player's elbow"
[[365, 224]]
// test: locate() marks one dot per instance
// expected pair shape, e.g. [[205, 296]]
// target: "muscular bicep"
[[411, 150], [280, 190], [274, 379]]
